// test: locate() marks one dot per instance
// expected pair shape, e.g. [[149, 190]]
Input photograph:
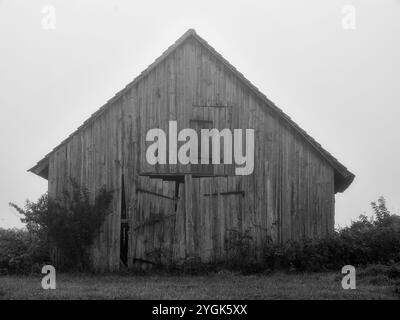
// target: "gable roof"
[[343, 177]]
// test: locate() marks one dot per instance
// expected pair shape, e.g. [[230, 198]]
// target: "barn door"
[[215, 217], [154, 221], [124, 237], [218, 116]]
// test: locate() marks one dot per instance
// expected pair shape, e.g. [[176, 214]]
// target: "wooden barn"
[[168, 213]]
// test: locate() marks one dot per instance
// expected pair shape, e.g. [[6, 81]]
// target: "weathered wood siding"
[[289, 195]]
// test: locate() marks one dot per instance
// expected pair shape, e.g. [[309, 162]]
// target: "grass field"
[[223, 285]]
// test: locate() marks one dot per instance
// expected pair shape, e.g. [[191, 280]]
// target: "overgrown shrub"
[[70, 224], [240, 253], [20, 252], [365, 241]]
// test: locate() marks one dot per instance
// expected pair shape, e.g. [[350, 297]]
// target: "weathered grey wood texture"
[[291, 193]]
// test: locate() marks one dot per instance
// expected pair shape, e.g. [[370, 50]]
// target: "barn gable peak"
[[343, 177]]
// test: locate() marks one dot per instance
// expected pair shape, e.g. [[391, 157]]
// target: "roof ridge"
[[98, 112], [347, 175], [327, 155]]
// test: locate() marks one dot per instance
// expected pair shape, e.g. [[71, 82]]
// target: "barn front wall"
[[171, 213]]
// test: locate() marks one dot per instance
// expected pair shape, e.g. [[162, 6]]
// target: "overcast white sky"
[[341, 86]]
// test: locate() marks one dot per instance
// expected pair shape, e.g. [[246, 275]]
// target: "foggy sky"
[[341, 86]]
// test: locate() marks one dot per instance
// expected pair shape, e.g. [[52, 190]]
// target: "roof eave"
[[344, 177], [344, 182], [41, 168]]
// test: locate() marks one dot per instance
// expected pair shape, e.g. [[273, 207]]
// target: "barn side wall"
[[289, 195]]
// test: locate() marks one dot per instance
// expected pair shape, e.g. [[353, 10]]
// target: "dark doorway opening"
[[124, 238]]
